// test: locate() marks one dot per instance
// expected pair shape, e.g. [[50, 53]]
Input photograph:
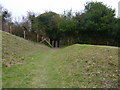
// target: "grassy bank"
[[75, 66], [15, 49]]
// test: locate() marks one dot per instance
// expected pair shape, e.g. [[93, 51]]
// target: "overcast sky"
[[19, 8]]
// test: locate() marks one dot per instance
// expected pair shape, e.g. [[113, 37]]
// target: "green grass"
[[15, 49], [75, 66], [0, 59]]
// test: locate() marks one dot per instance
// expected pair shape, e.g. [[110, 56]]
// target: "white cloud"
[[20, 7]]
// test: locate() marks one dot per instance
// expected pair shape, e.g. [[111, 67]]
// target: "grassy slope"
[[74, 66], [87, 66], [0, 59], [15, 49]]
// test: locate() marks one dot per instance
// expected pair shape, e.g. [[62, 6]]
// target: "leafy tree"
[[67, 26], [117, 34], [1, 17], [32, 21], [97, 23], [6, 19], [68, 29], [48, 22]]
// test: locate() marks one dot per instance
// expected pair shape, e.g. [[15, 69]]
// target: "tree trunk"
[[10, 28], [42, 38], [37, 38], [24, 34], [1, 25], [54, 43], [58, 43], [51, 41], [68, 41]]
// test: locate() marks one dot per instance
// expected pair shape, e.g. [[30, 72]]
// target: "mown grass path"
[[39, 70], [77, 66], [26, 64], [45, 70], [32, 73]]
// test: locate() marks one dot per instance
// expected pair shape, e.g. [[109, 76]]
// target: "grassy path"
[[41, 70], [29, 73], [45, 70], [31, 65], [77, 66]]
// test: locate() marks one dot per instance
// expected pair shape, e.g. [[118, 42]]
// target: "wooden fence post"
[[24, 34], [10, 29], [37, 38]]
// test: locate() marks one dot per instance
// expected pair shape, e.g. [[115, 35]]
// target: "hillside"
[[87, 66], [15, 49], [75, 66]]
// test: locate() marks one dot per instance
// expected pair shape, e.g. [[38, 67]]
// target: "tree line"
[[97, 25]]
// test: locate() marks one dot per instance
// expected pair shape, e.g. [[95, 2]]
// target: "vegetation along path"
[[75, 66]]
